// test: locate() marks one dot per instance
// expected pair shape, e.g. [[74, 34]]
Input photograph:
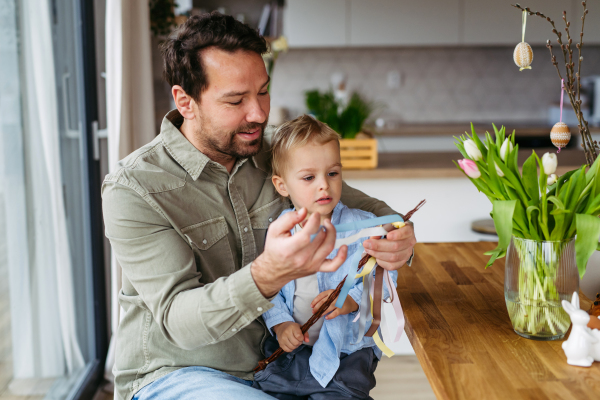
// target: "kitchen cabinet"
[[372, 23], [315, 23], [496, 22], [404, 22]]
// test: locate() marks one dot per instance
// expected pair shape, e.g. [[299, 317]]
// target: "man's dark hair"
[[182, 50]]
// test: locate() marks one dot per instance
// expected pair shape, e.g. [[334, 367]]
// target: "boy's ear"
[[279, 185]]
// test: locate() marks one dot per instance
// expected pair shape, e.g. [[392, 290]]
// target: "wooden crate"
[[358, 153]]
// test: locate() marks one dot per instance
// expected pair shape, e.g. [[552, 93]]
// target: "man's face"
[[233, 110]]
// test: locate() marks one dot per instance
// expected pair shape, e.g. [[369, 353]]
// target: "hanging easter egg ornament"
[[523, 55], [560, 133]]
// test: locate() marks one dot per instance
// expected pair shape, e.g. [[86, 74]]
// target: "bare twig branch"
[[572, 88]]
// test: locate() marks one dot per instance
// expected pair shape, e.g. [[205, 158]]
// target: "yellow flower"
[[279, 44]]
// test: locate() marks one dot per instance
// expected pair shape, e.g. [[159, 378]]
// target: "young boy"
[[325, 362]]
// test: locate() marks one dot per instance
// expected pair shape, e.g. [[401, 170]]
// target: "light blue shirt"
[[339, 334]]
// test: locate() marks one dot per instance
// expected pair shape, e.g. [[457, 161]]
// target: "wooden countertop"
[[439, 164], [457, 322]]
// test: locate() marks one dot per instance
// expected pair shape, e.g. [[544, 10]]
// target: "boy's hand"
[[332, 312], [289, 336]]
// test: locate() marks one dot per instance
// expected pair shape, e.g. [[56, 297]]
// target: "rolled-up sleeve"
[[160, 265], [280, 313]]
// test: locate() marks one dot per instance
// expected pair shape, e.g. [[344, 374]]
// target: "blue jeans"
[[289, 377], [192, 383]]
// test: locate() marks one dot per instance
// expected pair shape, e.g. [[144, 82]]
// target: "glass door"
[[53, 336]]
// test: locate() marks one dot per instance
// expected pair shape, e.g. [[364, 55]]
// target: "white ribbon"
[[375, 231]]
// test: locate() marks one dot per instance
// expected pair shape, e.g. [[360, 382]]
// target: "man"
[[187, 217]]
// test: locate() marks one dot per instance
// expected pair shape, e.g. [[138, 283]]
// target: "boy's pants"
[[289, 377]]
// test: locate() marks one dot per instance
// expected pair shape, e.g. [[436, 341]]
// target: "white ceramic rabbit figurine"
[[578, 348], [596, 346]]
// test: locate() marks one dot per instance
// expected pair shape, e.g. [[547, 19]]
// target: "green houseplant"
[[549, 222], [346, 119]]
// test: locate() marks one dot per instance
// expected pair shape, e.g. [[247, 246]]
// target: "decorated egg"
[[560, 134], [523, 56]]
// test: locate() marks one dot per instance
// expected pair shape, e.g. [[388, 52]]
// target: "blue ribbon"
[[365, 223], [349, 278]]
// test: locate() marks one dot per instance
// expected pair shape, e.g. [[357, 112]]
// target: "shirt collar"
[[336, 216], [190, 158]]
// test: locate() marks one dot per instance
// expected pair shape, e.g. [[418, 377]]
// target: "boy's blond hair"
[[297, 133]]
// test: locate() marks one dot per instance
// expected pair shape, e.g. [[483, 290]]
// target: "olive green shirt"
[[185, 232]]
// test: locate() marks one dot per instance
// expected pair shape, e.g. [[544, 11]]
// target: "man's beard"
[[236, 148]]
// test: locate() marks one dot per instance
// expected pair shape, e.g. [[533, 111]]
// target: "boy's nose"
[[324, 184]]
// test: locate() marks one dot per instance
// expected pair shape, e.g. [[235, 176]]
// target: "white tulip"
[[472, 150], [552, 179], [549, 162], [506, 148], [499, 171]]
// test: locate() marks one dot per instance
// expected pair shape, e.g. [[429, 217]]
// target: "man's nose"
[[256, 112]]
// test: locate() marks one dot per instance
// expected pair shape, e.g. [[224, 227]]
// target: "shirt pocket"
[[212, 251], [261, 218]]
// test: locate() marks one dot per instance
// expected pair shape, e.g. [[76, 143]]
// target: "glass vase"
[[538, 276]]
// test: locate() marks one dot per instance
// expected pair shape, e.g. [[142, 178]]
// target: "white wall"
[[452, 204]]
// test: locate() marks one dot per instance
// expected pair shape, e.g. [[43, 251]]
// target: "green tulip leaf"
[[530, 180], [512, 161], [503, 221], [577, 188], [588, 233]]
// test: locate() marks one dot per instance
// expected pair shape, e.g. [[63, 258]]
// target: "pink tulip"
[[470, 168]]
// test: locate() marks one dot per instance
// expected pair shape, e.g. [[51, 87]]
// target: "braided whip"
[[332, 297]]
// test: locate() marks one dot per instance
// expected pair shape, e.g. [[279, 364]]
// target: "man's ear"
[[183, 102], [280, 185]]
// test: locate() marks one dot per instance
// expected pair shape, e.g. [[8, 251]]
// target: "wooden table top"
[[458, 325]]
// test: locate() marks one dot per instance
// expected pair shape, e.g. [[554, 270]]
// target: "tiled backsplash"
[[479, 84]]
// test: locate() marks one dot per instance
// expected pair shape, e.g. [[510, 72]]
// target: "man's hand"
[[289, 336], [394, 251], [332, 311], [288, 257]]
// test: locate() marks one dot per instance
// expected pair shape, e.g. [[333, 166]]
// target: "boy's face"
[[312, 177]]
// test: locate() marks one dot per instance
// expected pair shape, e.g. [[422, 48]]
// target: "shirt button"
[[245, 229], [270, 219], [205, 241], [234, 330], [259, 309]]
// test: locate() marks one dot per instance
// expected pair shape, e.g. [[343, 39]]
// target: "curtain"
[[130, 103], [48, 346]]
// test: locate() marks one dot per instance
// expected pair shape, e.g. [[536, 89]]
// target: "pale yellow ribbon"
[[523, 37], [384, 349]]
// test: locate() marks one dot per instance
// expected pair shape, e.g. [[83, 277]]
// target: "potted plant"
[[548, 227], [358, 150]]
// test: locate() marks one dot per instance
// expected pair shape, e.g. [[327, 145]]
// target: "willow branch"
[[574, 92]]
